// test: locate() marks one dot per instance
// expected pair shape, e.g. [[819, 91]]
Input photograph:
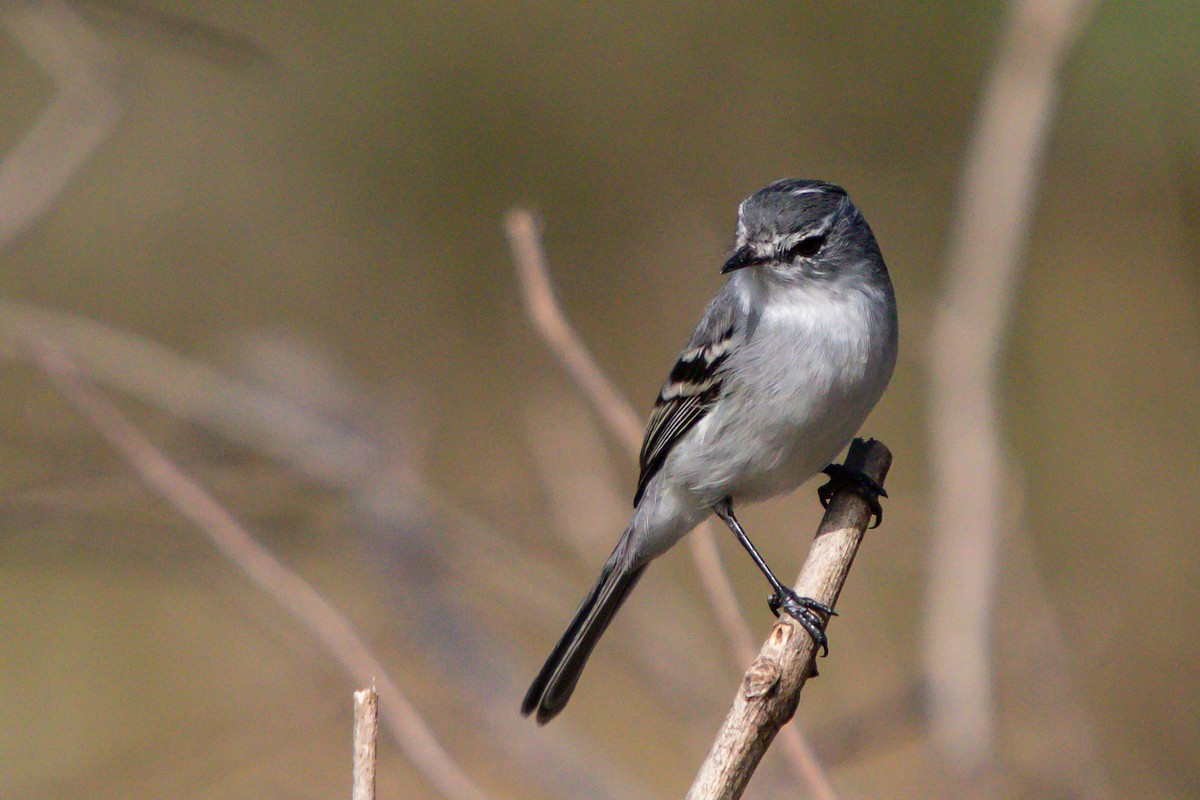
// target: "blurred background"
[[280, 251]]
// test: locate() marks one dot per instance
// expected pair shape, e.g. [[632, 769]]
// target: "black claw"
[[803, 610], [841, 476]]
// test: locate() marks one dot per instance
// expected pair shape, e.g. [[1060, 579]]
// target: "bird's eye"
[[807, 247]]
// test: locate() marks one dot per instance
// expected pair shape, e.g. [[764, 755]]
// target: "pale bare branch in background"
[[335, 632], [997, 196], [366, 729], [553, 326], [384, 485], [200, 393], [623, 423], [83, 113], [770, 690], [243, 411]]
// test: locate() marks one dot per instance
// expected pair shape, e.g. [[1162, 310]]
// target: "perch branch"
[[770, 691], [335, 632], [623, 423]]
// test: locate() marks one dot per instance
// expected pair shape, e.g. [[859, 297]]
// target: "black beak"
[[744, 257]]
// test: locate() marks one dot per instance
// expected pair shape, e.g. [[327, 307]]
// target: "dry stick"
[[771, 688], [996, 202], [293, 593], [366, 730], [623, 423]]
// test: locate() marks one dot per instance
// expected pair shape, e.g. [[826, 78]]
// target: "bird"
[[787, 361]]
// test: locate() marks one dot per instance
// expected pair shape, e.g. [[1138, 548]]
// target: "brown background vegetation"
[[312, 202]]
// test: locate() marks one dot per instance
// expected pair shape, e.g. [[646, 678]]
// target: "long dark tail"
[[552, 687]]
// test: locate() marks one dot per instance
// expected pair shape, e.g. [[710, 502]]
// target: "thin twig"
[[335, 632], [996, 202], [770, 691], [623, 423], [564, 341], [366, 731]]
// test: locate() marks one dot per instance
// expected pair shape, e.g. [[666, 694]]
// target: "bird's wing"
[[693, 385]]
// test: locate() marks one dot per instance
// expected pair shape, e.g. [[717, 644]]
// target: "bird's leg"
[[801, 609], [842, 476]]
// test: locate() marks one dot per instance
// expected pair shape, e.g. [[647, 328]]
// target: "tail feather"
[[552, 687]]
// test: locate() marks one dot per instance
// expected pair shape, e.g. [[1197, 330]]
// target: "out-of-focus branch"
[[81, 116], [996, 200], [366, 728], [202, 394], [232, 540], [771, 688], [564, 341], [314, 444], [385, 485], [623, 423]]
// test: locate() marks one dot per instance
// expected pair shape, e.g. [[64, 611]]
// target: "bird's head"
[[802, 230]]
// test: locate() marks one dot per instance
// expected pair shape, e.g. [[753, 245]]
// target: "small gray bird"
[[790, 357]]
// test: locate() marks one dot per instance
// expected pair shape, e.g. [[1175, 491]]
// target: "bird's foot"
[[803, 610], [841, 476]]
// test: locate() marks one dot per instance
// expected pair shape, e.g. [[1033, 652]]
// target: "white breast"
[[814, 364]]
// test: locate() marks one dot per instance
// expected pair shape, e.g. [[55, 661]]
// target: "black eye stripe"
[[807, 247]]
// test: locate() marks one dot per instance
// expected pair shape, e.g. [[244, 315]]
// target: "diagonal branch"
[[335, 632], [386, 487], [560, 336], [623, 423], [771, 688]]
